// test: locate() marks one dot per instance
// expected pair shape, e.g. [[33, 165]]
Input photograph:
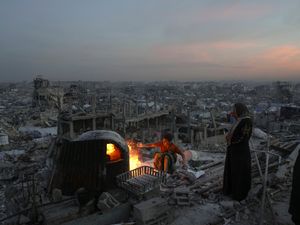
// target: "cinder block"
[[183, 201], [182, 196], [149, 211]]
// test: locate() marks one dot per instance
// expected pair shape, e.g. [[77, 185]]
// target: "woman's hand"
[[184, 163], [228, 138]]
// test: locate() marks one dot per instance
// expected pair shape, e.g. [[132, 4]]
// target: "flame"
[[134, 161], [113, 152]]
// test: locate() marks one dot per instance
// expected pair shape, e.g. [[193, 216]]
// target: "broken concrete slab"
[[155, 208], [293, 156], [106, 202], [227, 204], [118, 214]]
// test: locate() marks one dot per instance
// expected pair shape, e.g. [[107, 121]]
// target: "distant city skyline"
[[150, 40]]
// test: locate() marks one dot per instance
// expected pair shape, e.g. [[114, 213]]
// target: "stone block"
[[146, 211], [56, 195], [182, 196]]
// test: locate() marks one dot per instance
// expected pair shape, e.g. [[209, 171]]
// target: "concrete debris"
[[182, 177], [106, 202], [197, 174], [293, 156], [153, 211], [7, 171], [56, 195], [37, 119], [282, 172], [182, 196], [258, 133], [227, 204], [24, 220]]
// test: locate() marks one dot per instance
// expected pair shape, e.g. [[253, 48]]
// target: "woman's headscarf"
[[241, 109]]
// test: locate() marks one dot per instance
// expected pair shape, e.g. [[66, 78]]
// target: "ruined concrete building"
[[84, 174], [46, 95], [71, 126], [3, 138]]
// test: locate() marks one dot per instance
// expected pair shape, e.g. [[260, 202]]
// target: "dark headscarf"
[[241, 109], [168, 136]]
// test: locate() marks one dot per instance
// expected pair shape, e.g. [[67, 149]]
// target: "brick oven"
[[92, 161]]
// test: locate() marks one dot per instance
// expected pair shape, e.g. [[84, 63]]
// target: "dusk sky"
[[149, 40]]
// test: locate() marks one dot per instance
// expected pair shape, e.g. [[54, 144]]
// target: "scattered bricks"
[[151, 212], [182, 196], [106, 201]]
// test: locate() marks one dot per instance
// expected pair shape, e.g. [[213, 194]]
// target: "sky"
[[142, 40]]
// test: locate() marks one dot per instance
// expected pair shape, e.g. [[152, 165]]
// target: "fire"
[[134, 161], [113, 152]]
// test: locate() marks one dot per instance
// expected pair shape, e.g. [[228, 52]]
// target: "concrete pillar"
[[205, 135], [130, 110], [201, 137], [173, 119], [175, 136], [71, 130], [94, 124], [110, 101], [136, 108], [192, 136], [143, 136], [124, 119], [59, 128], [147, 106], [189, 124], [112, 123], [155, 103]]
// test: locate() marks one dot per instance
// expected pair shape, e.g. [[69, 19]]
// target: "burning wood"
[[113, 152], [134, 155]]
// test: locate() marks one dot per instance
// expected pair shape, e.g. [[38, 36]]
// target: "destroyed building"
[[81, 175], [46, 95], [71, 126]]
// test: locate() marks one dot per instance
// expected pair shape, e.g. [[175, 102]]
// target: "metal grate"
[[140, 180]]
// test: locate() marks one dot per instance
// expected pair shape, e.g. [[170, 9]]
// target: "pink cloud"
[[281, 58], [283, 55], [280, 62], [209, 52], [244, 59]]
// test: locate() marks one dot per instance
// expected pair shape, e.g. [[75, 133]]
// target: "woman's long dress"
[[237, 170], [295, 195]]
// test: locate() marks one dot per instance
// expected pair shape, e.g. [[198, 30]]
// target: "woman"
[[237, 170], [295, 194], [166, 158]]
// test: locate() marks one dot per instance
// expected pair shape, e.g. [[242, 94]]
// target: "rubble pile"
[[36, 118]]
